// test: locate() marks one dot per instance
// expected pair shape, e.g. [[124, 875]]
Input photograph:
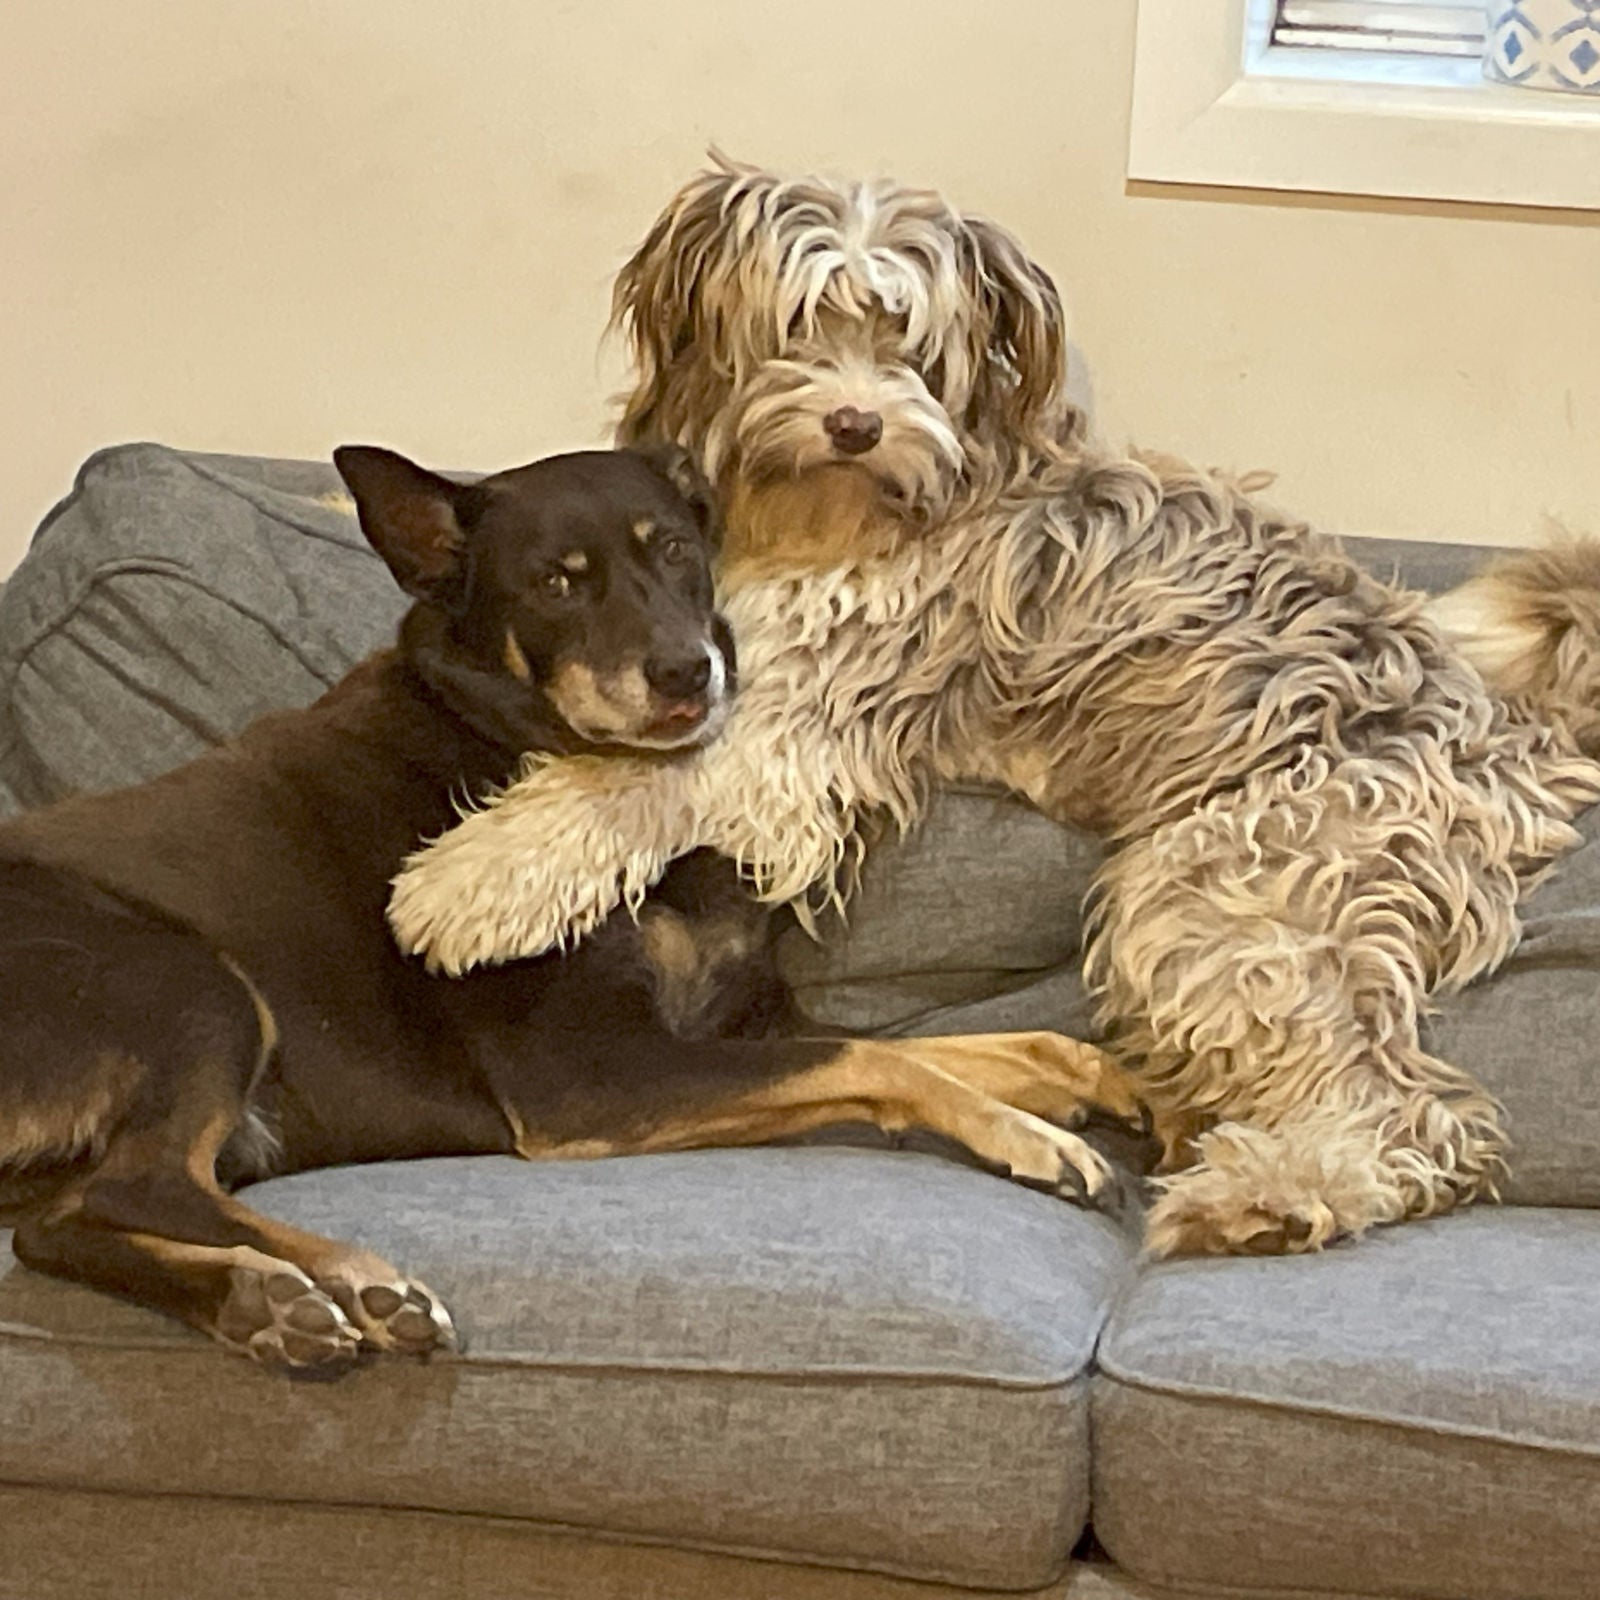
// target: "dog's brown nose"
[[853, 432]]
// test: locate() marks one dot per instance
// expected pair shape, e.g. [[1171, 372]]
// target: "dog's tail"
[[1530, 623]]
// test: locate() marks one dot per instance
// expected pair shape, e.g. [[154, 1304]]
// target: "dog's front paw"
[[444, 908], [1260, 1191], [1040, 1155], [545, 864], [475, 897]]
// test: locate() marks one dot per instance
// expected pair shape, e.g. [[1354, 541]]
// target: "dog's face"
[[563, 603], [781, 327]]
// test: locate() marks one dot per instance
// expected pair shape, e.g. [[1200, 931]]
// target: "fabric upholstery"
[[64, 1544], [940, 921], [1416, 1415], [857, 1358], [166, 602], [1531, 1035]]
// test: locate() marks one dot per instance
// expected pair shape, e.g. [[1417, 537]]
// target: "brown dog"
[[197, 987]]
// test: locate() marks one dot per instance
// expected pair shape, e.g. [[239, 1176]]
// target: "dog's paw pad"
[[403, 1317], [281, 1320]]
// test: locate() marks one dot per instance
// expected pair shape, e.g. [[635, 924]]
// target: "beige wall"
[[273, 225]]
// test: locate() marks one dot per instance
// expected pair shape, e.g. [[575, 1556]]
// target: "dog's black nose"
[[853, 432], [681, 678]]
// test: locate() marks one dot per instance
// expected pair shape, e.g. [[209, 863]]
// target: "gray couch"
[[824, 1371]]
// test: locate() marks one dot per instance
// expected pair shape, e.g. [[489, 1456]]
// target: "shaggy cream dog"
[[1321, 814]]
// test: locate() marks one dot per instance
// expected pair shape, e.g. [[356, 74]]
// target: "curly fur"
[[1531, 625], [1322, 816]]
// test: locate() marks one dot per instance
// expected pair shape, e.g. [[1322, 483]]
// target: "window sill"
[[1212, 104]]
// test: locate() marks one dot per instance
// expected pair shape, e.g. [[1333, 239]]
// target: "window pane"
[[1406, 27]]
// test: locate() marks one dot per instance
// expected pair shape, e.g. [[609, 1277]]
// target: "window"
[[1374, 97], [1393, 27]]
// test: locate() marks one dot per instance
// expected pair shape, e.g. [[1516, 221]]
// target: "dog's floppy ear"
[[659, 299], [1027, 327], [677, 466], [410, 517]]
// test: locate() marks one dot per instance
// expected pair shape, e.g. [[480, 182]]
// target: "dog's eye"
[[674, 550], [557, 585]]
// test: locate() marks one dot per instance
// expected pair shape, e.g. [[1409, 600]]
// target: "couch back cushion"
[[167, 601]]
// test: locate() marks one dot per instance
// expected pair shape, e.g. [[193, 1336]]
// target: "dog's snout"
[[854, 432], [680, 678]]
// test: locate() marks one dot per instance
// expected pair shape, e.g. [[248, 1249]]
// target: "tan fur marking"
[[894, 1085], [644, 529], [832, 517], [516, 661], [71, 1128], [265, 1020], [687, 959], [575, 561]]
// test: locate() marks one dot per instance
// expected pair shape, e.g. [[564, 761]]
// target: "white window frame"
[[1215, 104]]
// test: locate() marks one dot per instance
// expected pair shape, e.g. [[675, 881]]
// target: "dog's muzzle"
[[660, 703]]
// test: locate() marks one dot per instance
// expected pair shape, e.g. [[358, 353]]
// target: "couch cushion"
[[939, 924], [167, 601], [842, 1356], [1531, 1034], [1416, 1415]]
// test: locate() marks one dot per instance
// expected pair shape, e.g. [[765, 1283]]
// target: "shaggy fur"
[[1322, 816], [1531, 625]]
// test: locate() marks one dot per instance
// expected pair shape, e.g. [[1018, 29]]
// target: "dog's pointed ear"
[[411, 517], [1027, 326], [678, 467]]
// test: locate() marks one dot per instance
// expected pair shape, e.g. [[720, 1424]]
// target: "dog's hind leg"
[[1264, 972], [288, 1299], [127, 1062], [149, 1222]]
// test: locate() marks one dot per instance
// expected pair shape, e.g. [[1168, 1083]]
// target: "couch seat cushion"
[[1415, 1415], [860, 1358]]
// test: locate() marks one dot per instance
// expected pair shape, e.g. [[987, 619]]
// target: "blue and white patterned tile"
[[1544, 44]]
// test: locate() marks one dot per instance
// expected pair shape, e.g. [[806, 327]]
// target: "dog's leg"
[[758, 1091], [289, 1299], [1062, 1080], [145, 1028], [546, 861], [1265, 972], [250, 1301]]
